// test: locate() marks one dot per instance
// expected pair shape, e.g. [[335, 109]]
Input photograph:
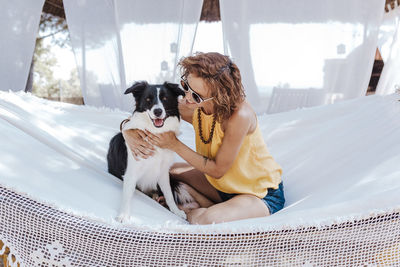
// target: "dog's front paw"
[[122, 218]]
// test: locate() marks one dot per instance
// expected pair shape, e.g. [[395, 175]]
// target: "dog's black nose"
[[157, 112]]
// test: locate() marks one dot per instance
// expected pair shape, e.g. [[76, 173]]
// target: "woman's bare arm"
[[235, 131]]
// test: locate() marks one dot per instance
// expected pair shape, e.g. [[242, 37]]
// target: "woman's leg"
[[201, 200], [237, 208], [185, 173]]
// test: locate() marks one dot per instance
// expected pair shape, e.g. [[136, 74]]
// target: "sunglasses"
[[196, 97]]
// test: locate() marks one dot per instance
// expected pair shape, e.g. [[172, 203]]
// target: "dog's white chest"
[[148, 172]]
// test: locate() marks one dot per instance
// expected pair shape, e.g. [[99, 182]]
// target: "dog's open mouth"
[[158, 122]]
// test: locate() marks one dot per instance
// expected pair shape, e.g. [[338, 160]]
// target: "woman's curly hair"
[[221, 76]]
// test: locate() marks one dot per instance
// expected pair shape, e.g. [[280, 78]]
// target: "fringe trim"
[[183, 227]]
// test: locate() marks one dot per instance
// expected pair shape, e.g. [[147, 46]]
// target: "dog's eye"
[[148, 99], [164, 98]]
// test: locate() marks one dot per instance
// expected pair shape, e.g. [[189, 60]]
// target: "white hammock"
[[341, 176]]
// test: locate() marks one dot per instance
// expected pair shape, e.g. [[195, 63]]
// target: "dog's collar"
[[121, 125]]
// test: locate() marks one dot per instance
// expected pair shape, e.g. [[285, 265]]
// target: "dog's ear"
[[137, 88], [173, 87]]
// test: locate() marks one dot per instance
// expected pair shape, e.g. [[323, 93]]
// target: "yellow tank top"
[[253, 171]]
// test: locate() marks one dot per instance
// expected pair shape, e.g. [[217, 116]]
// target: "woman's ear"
[[174, 87]]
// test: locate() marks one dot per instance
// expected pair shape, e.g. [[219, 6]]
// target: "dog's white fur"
[[147, 173]]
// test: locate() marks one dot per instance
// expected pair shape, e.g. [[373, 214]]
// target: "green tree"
[[71, 87], [41, 81], [44, 84]]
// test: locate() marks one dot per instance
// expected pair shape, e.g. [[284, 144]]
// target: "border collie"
[[157, 111]]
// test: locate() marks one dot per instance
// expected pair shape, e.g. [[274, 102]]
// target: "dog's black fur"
[[117, 156]]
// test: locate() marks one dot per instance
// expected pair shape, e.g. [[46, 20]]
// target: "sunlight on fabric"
[[388, 31], [209, 37], [100, 69], [151, 51], [386, 36], [6, 162], [118, 42], [382, 170], [296, 54], [65, 132], [19, 22], [142, 60], [389, 41], [318, 44], [295, 203]]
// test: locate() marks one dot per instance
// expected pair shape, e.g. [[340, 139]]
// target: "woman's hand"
[[164, 140], [137, 141]]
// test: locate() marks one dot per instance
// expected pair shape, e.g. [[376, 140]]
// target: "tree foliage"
[[50, 26], [44, 83], [44, 61]]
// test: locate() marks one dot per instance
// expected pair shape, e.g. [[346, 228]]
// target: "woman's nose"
[[188, 95]]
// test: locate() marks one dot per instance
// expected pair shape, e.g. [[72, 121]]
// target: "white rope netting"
[[43, 236], [58, 203]]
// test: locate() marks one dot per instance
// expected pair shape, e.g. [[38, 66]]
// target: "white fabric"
[[387, 32], [67, 147], [341, 179], [19, 23], [322, 49], [326, 165], [389, 41], [117, 42]]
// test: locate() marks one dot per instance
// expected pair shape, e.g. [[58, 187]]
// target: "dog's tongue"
[[158, 122]]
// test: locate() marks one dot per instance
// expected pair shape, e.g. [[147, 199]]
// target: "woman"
[[231, 175]]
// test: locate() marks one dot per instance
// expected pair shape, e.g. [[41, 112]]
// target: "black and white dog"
[[156, 111]]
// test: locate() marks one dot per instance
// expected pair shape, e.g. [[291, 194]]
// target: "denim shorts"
[[275, 199]]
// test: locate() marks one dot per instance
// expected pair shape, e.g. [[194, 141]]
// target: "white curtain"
[[19, 23], [389, 45], [117, 42], [387, 31], [302, 53]]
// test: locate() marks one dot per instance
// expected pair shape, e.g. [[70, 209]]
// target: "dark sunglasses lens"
[[184, 85], [196, 97]]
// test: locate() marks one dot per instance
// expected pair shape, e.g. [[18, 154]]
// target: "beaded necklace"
[[212, 128]]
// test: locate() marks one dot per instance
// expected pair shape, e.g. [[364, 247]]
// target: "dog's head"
[[159, 101]]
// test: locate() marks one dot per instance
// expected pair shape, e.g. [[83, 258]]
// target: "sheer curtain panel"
[[302, 53], [19, 23], [118, 42], [389, 40], [387, 31]]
